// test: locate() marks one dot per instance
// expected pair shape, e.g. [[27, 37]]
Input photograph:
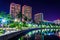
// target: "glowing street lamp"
[[3, 21], [15, 20]]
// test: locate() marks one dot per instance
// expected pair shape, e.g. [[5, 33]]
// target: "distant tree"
[[2, 14], [9, 17], [19, 15], [25, 18]]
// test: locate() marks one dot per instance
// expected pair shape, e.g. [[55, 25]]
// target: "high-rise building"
[[38, 17], [14, 9], [26, 11]]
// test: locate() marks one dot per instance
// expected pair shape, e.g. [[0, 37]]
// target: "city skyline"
[[50, 9], [29, 20]]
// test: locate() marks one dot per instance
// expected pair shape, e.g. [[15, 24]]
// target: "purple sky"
[[50, 9]]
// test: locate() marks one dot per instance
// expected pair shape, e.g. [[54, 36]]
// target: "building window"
[[12, 8]]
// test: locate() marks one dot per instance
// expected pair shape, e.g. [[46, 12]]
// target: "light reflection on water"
[[37, 34]]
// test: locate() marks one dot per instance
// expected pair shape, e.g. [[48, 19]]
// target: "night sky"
[[50, 9]]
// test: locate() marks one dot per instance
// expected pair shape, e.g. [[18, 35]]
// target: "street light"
[[3, 21], [16, 20]]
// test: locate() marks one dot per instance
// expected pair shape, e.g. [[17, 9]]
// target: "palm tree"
[[19, 15], [9, 19], [25, 18]]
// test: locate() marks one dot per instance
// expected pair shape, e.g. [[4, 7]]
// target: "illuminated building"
[[38, 17], [14, 9], [57, 21], [26, 11]]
